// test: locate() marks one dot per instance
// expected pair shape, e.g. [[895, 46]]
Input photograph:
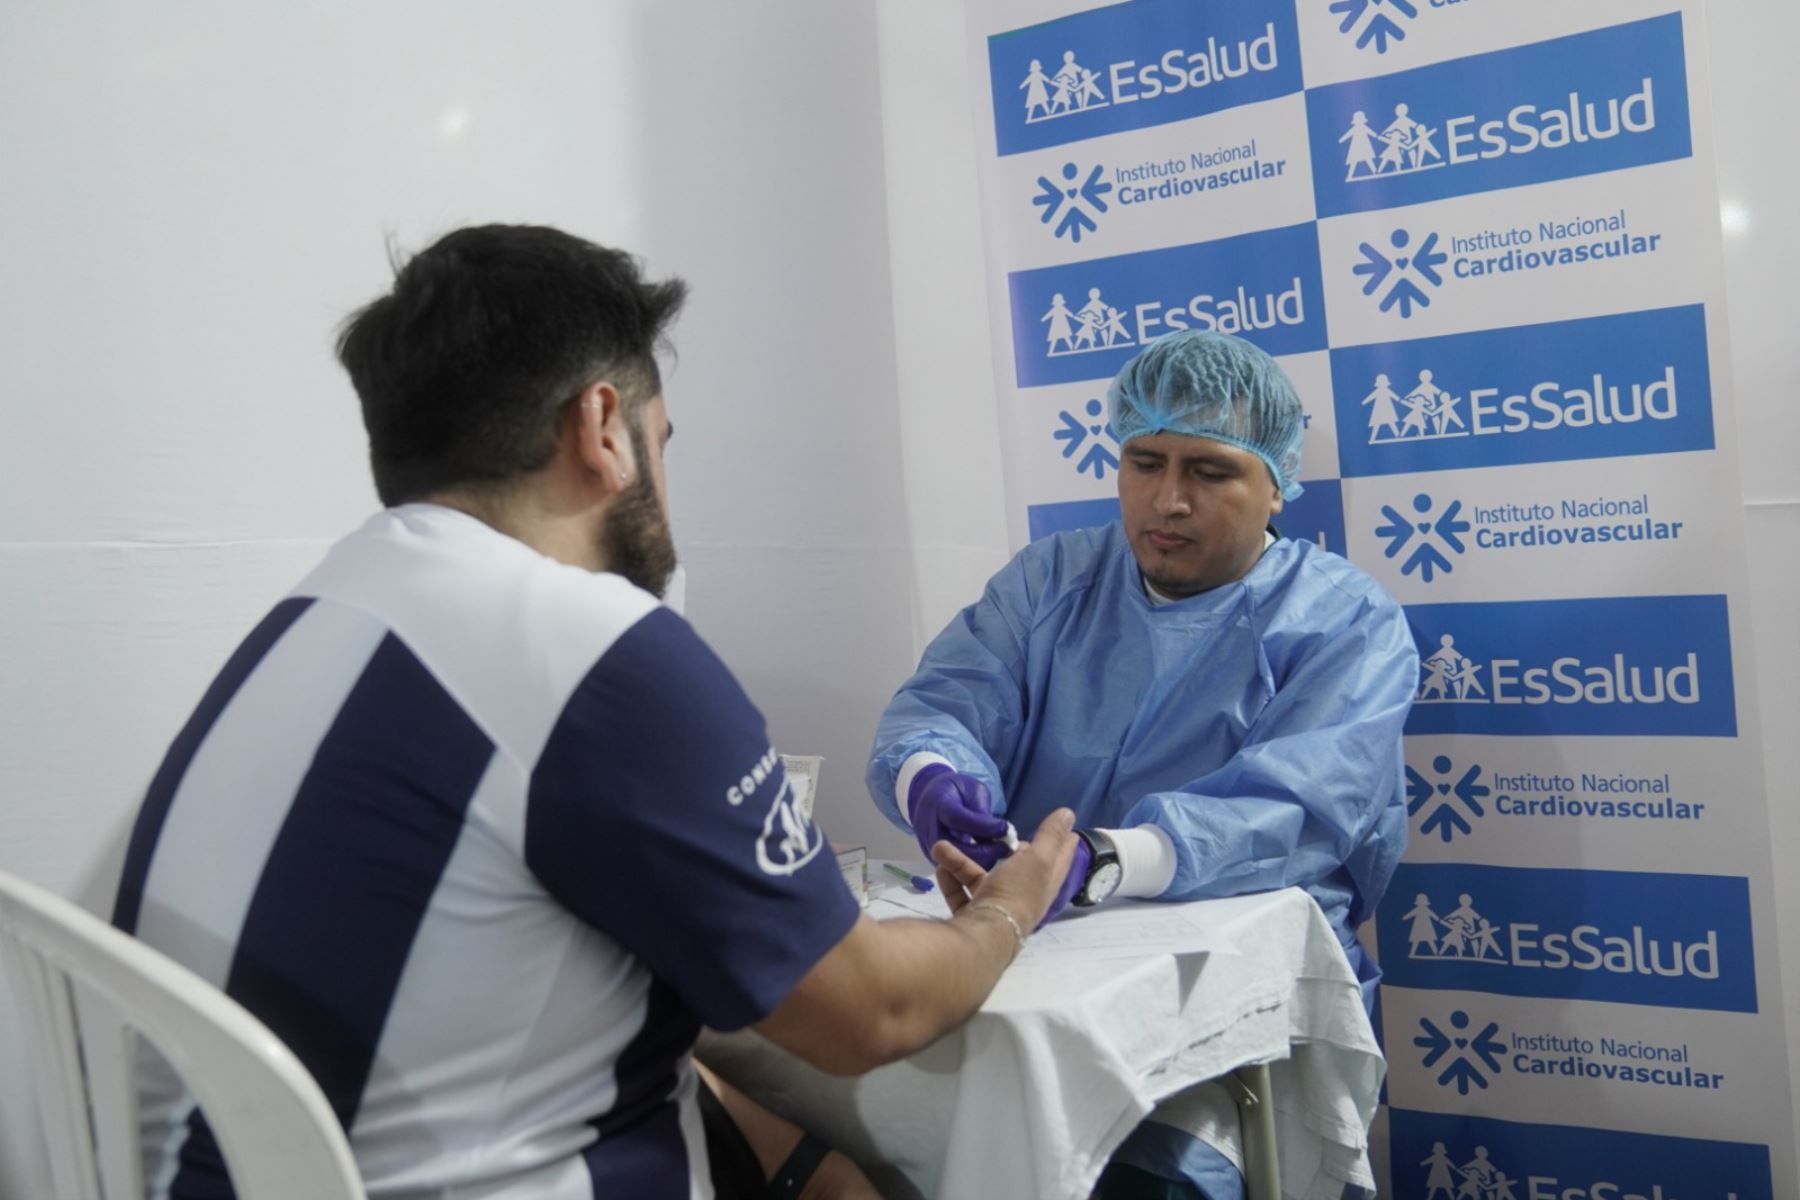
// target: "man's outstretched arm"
[[890, 988]]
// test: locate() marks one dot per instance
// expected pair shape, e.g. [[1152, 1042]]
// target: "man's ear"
[[1277, 502], [602, 435]]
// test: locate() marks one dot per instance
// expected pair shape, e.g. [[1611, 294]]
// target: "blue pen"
[[919, 882]]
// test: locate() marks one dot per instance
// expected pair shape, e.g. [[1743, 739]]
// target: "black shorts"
[[736, 1175]]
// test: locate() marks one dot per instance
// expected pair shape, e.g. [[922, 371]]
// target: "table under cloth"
[[1080, 1042]]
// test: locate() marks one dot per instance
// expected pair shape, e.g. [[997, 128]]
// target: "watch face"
[[1103, 882]]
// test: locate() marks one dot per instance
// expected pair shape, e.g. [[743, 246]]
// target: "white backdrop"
[[1292, 222], [193, 194], [1749, 91]]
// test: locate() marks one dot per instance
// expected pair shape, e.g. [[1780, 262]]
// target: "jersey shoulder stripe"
[[169, 775], [508, 632]]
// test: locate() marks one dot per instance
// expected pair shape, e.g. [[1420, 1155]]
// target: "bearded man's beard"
[[637, 541]]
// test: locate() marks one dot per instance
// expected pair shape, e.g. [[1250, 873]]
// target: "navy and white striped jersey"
[[484, 839]]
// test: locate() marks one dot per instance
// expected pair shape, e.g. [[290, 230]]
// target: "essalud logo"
[[1477, 1179], [1406, 145], [1430, 411], [1095, 326], [1101, 325], [1073, 89], [1463, 934], [1448, 676], [1580, 1164]]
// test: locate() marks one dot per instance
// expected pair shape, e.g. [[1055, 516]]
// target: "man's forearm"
[[886, 990], [943, 970], [899, 986]]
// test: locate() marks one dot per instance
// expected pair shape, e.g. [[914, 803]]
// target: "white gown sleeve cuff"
[[1146, 860], [903, 782]]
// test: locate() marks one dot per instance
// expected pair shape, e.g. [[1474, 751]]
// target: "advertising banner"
[[1482, 238]]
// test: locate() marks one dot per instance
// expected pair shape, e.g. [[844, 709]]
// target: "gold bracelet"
[[1018, 932]]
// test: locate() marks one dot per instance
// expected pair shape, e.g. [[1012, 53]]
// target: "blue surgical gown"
[[1257, 724]]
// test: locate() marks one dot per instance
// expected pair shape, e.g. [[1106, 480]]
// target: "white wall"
[[950, 432], [192, 196], [1754, 91], [765, 177]]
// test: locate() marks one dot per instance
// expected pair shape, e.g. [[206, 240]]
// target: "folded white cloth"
[[1073, 1049]]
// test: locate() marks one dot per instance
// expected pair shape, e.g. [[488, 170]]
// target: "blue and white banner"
[[1622, 385], [1438, 1155], [1483, 241]]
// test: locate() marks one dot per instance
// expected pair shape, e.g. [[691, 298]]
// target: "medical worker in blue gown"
[[1220, 705]]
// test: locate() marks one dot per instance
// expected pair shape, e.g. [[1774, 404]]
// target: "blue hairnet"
[[1212, 385]]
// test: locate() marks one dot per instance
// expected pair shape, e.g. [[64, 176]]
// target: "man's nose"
[[1171, 499]]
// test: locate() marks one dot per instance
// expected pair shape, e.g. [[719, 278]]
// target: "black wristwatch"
[[1104, 872]]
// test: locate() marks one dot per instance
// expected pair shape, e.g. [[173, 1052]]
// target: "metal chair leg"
[[1249, 1087]]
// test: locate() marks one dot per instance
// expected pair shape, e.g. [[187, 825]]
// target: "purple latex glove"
[[1078, 869], [946, 806]]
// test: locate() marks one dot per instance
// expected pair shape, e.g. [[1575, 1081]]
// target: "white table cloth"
[[1080, 1042]]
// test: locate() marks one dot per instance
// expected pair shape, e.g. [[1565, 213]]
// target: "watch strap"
[[1101, 852]]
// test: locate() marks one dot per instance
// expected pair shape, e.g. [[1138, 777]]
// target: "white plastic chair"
[[88, 992]]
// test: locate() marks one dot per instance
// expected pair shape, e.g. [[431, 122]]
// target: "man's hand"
[[947, 806], [889, 988], [1078, 872], [1031, 884]]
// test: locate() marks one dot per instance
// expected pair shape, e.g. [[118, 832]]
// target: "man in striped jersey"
[[483, 832]]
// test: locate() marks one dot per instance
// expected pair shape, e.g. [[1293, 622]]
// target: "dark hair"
[[464, 368]]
